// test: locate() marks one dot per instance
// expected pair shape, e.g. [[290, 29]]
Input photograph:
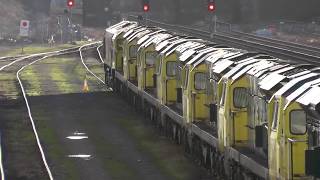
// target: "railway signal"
[[70, 3], [211, 5], [212, 9], [146, 5]]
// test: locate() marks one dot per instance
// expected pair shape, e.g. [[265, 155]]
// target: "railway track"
[[17, 65], [278, 43], [279, 49], [81, 49]]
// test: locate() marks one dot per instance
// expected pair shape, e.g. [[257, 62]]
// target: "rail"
[[31, 118], [99, 53], [279, 43], [1, 160], [34, 59], [87, 68], [279, 52]]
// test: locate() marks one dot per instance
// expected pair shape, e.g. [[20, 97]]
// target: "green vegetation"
[[63, 167], [38, 48], [32, 81], [115, 167], [61, 79], [19, 144], [165, 158], [8, 85]]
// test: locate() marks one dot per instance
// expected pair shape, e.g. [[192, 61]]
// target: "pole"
[[146, 16], [215, 23], [212, 23], [71, 24]]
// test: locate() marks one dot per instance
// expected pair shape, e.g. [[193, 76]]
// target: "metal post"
[[71, 24], [146, 16], [215, 23], [212, 23]]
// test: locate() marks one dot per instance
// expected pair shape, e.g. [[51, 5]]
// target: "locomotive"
[[242, 114]]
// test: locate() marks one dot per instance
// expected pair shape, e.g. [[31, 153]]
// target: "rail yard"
[[100, 90]]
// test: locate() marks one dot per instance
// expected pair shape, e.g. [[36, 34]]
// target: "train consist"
[[243, 115]]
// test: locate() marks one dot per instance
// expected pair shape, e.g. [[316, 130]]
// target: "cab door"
[[170, 82], [150, 59], [296, 144], [239, 116], [132, 65], [199, 96], [119, 55], [140, 67]]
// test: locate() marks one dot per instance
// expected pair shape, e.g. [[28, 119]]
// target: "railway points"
[[45, 78]]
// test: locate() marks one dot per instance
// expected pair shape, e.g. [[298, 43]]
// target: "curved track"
[[87, 68], [19, 64]]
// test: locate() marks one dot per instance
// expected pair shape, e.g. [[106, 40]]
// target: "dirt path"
[[119, 145]]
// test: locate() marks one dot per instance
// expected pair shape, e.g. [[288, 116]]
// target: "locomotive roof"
[[301, 90], [298, 83], [310, 97]]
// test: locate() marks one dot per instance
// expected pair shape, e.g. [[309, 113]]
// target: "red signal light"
[[211, 7], [70, 3], [146, 7]]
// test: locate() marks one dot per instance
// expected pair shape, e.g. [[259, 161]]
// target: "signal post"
[[70, 4], [146, 8], [212, 9]]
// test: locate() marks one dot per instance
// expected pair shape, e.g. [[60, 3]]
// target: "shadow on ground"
[[120, 144]]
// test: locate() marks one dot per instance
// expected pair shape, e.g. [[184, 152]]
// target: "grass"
[[169, 159], [8, 85], [165, 158], [32, 81], [63, 166], [115, 167], [38, 48], [21, 140], [61, 79], [19, 144]]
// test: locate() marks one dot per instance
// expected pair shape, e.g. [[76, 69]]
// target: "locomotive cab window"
[[240, 97], [133, 51], [298, 122], [151, 58], [200, 81], [171, 69]]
